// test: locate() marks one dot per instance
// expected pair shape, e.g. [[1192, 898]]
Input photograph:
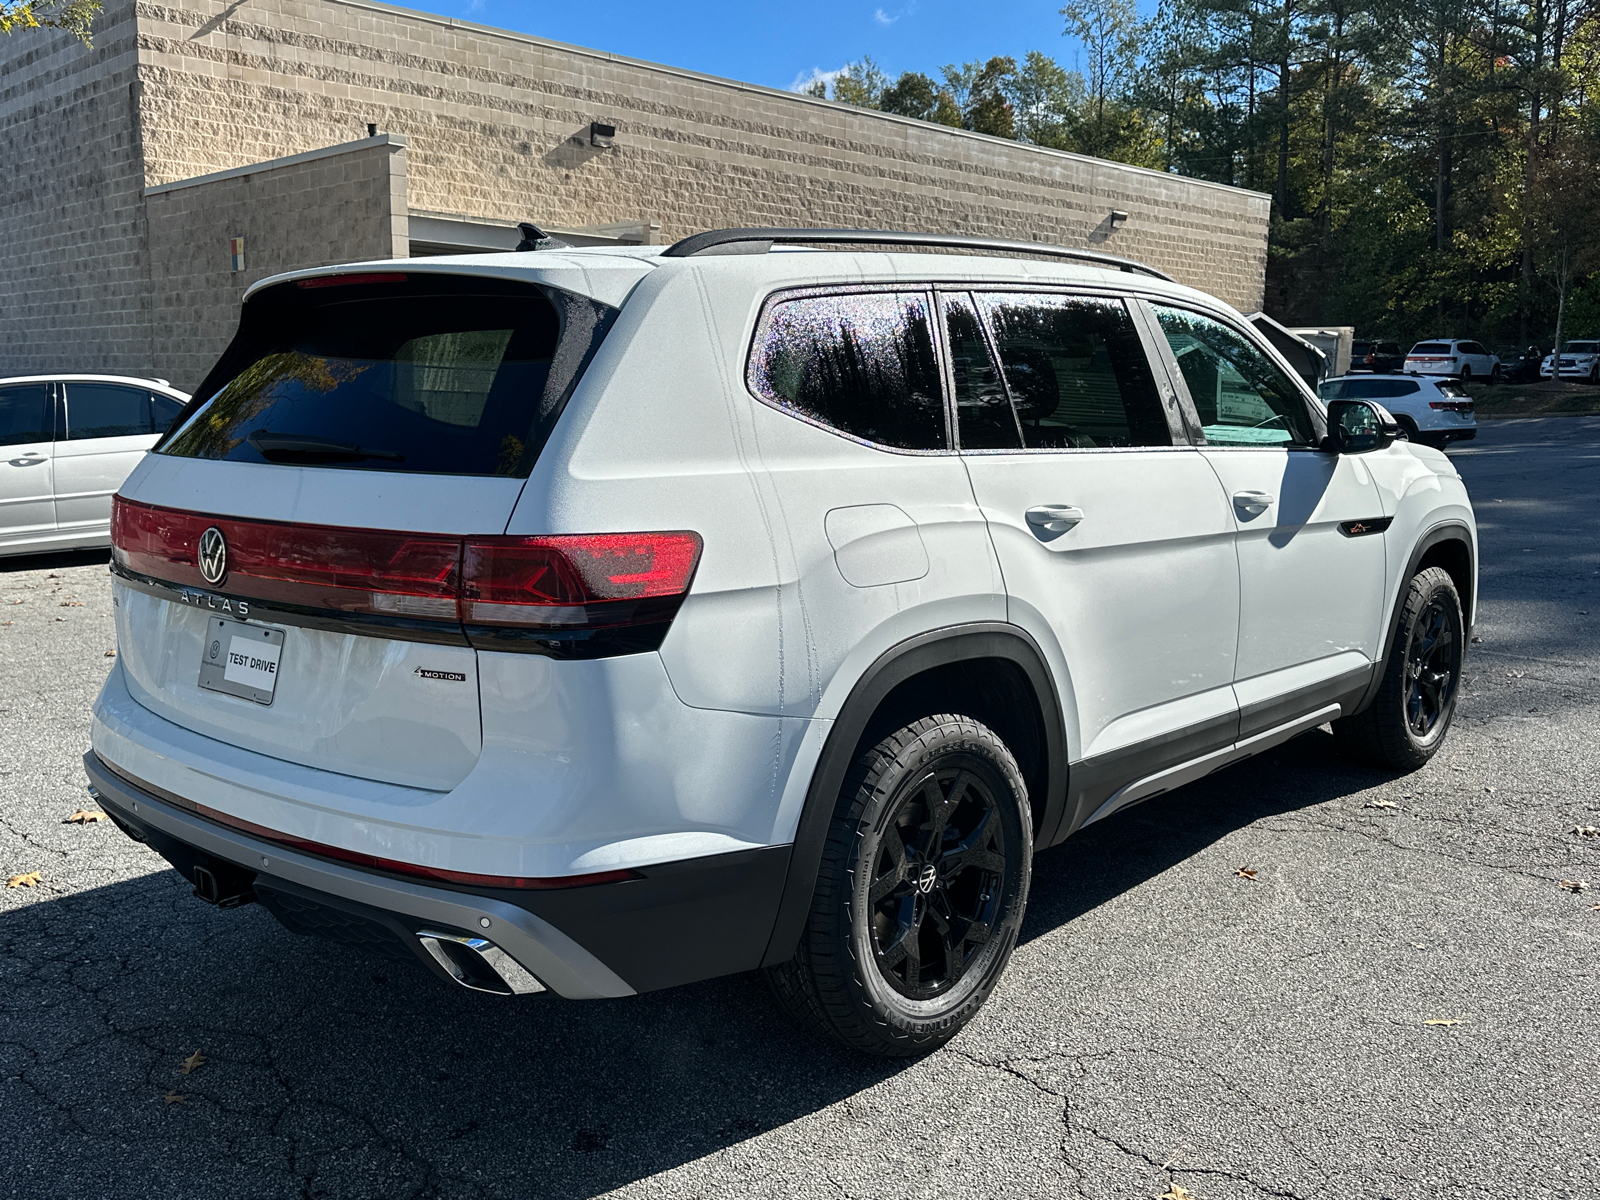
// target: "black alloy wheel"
[[937, 882], [1594, 375], [1410, 715], [1466, 374], [920, 894], [1494, 375], [1433, 664]]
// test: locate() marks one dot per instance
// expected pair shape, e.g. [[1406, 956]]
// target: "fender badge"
[[448, 676]]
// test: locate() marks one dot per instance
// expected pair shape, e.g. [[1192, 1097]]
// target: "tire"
[[851, 977], [1408, 428], [1594, 376], [1494, 375], [1466, 375], [1407, 721]]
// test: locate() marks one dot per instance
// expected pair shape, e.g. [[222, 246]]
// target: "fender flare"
[[936, 648], [1447, 531]]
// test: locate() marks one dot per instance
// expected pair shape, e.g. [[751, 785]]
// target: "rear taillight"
[[1455, 406], [590, 580], [559, 585]]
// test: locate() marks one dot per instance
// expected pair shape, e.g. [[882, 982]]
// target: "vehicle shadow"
[[54, 560], [333, 1072]]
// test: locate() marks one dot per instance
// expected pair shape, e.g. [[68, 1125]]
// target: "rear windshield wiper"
[[299, 448]]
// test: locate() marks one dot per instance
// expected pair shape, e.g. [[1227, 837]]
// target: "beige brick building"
[[130, 174]]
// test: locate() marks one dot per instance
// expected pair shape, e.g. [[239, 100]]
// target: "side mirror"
[[1357, 426]]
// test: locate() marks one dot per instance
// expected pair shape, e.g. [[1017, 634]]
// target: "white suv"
[[66, 444], [1433, 413], [1461, 360], [601, 620], [1579, 360]]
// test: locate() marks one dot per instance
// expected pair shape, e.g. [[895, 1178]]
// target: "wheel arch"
[[997, 673], [1448, 545]]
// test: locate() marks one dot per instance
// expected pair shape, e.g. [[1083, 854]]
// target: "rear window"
[[1431, 348], [446, 375]]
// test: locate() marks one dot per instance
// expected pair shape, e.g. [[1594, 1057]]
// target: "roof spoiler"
[[759, 241]]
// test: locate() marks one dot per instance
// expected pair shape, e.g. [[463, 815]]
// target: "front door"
[[1308, 526], [27, 493], [1113, 538], [109, 426]]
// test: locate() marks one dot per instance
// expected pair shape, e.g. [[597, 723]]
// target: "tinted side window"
[[1241, 397], [163, 411], [859, 363], [97, 410], [1076, 371], [25, 414], [983, 413]]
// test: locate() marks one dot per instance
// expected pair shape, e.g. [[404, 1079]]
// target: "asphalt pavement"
[[1402, 1002]]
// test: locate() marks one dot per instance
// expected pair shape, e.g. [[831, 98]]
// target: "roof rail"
[[759, 241]]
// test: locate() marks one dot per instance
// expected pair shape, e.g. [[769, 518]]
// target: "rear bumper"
[[677, 923]]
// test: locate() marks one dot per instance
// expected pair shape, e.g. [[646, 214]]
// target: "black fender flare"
[[936, 648], [1445, 531]]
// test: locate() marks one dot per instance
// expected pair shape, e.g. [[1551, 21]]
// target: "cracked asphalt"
[[1166, 1023]]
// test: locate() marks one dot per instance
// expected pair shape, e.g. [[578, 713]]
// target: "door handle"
[[1253, 503], [1054, 518]]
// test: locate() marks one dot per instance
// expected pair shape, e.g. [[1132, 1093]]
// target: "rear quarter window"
[[428, 374], [859, 363]]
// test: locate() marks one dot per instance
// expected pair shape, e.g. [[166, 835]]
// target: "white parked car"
[[601, 620], [1429, 412], [1461, 360], [66, 444], [1579, 360]]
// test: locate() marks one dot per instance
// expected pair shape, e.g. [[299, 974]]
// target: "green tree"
[[75, 16], [1046, 101], [860, 83]]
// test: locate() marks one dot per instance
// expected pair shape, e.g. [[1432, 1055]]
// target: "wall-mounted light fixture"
[[372, 129], [600, 136], [1118, 216]]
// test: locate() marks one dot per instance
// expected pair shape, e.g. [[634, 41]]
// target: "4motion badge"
[[447, 676]]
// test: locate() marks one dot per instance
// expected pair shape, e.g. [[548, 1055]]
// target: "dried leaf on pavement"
[[1380, 804], [111, 653], [192, 1064], [1174, 1192], [31, 879], [1246, 872], [70, 604], [175, 1098], [1574, 885], [1443, 1021], [1586, 830], [84, 816]]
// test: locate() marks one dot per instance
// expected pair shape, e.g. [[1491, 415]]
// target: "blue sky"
[[776, 43]]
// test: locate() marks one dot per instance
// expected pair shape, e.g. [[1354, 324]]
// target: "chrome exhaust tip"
[[479, 964]]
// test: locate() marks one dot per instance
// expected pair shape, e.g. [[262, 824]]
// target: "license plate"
[[241, 660]]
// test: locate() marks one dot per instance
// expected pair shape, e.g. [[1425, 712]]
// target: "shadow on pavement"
[[54, 560], [342, 1074]]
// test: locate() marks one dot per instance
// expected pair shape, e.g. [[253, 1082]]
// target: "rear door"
[[27, 492], [1111, 531], [1307, 523], [107, 429]]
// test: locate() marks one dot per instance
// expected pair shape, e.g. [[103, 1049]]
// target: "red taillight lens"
[[555, 582], [574, 580], [1456, 406]]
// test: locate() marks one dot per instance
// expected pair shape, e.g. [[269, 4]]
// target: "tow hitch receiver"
[[223, 885]]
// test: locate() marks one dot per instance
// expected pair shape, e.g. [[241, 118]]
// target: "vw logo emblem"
[[928, 877], [213, 556]]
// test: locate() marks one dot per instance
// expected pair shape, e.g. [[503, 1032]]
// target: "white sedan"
[[1579, 360], [66, 444]]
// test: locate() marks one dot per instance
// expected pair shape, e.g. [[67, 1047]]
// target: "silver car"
[[68, 442]]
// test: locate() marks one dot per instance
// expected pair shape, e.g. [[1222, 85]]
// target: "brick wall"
[[340, 204], [496, 126], [74, 282]]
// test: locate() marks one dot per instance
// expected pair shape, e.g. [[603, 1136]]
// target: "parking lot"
[[1400, 1002]]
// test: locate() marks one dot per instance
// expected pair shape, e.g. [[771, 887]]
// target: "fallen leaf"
[[1586, 830], [1380, 804], [1574, 885], [1419, 945], [193, 1063], [19, 602], [1488, 789], [1246, 872], [175, 1098], [31, 879], [70, 604], [1174, 1192], [84, 816], [111, 653], [1443, 1021], [61, 618], [1515, 674]]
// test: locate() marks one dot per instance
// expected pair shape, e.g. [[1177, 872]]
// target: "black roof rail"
[[759, 241]]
